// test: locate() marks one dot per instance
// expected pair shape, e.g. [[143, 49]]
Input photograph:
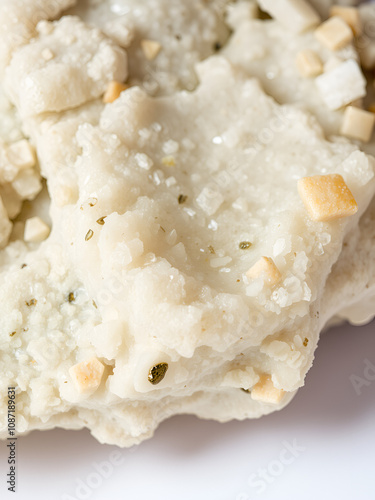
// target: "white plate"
[[331, 425]]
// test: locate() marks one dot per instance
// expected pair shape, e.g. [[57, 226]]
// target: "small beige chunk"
[[21, 154], [266, 392], [47, 54], [334, 33], [309, 63], [265, 267], [87, 375], [358, 124], [150, 48], [113, 91], [36, 230], [350, 15], [327, 197]]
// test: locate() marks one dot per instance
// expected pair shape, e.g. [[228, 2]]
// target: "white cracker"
[[150, 251]]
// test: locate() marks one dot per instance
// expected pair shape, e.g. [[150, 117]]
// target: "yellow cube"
[[327, 197], [265, 268], [87, 375], [113, 91], [334, 33], [309, 63], [358, 124], [150, 48], [350, 15], [266, 392]]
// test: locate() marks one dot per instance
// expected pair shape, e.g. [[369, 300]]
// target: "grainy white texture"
[[159, 208], [266, 50], [186, 31], [18, 20], [85, 61], [149, 263]]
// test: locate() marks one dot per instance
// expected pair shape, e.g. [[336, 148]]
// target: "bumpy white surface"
[[161, 294], [163, 279], [16, 184], [18, 20], [81, 64], [350, 289], [187, 32], [266, 50]]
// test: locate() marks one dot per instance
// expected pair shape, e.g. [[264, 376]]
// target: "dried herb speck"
[[245, 245], [157, 373], [246, 390], [217, 46], [101, 221], [11, 334], [94, 304], [31, 302], [211, 249], [71, 297], [306, 341], [23, 266], [89, 235], [182, 198]]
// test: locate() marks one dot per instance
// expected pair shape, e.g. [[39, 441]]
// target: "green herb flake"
[[245, 245], [71, 297], [157, 373], [182, 198], [31, 302], [89, 235], [101, 221]]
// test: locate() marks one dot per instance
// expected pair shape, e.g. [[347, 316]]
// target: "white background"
[[190, 459]]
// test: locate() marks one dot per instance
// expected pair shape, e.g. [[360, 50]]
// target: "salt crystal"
[[144, 161], [210, 200]]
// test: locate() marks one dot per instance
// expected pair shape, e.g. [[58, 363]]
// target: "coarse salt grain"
[[144, 161], [21, 154], [342, 85]]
